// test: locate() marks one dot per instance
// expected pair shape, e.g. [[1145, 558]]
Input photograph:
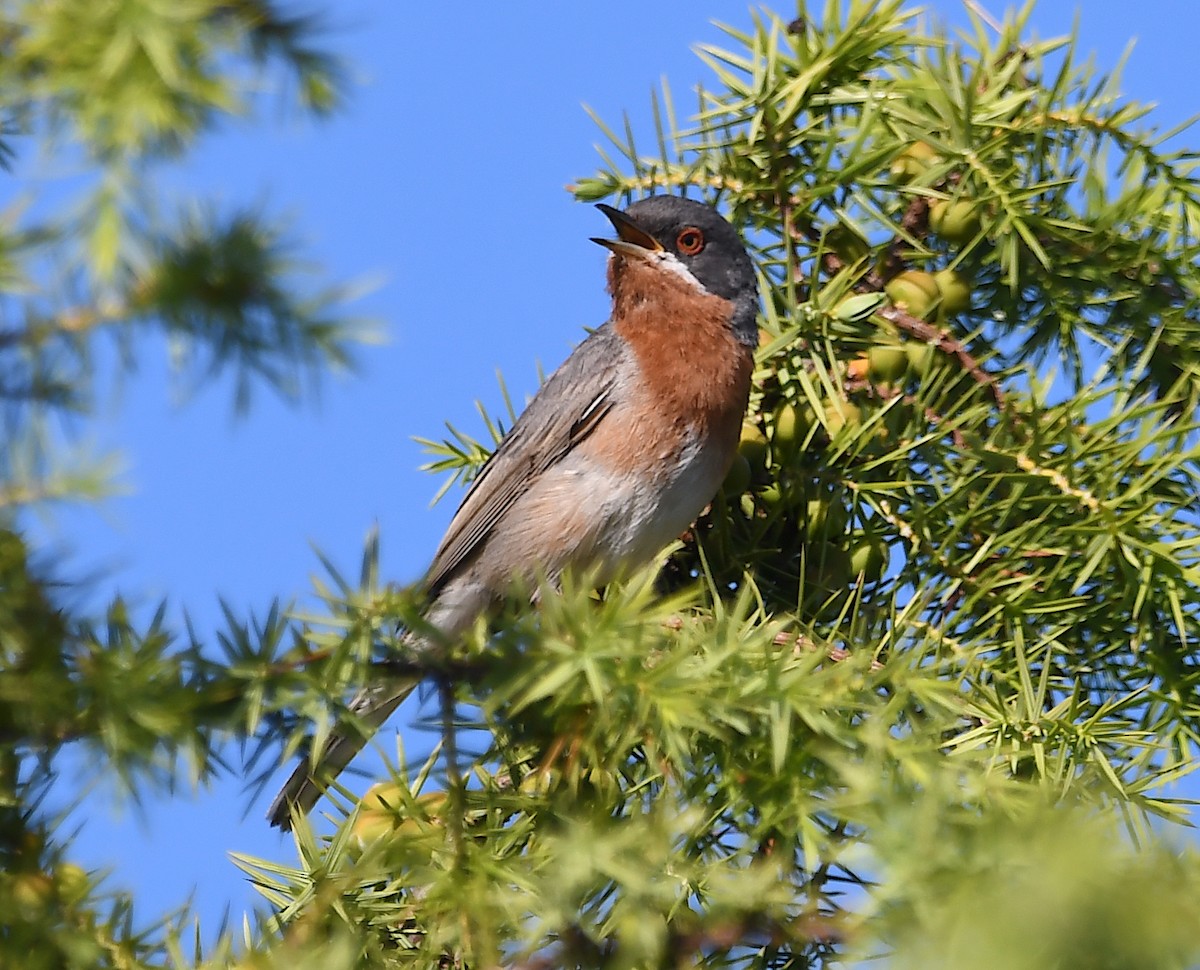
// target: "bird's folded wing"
[[567, 408]]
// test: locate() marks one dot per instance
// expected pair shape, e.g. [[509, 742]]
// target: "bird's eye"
[[690, 241]]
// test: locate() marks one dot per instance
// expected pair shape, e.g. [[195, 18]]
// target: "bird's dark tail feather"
[[370, 708]]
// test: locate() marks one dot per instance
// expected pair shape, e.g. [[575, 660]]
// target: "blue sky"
[[444, 183]]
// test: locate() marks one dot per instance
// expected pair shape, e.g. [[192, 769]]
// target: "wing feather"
[[566, 409]]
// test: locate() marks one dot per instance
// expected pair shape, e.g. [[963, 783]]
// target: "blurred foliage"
[[97, 98], [911, 690]]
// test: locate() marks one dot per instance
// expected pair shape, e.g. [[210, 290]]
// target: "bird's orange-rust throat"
[[686, 349]]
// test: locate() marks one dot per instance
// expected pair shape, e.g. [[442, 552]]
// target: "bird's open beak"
[[634, 241]]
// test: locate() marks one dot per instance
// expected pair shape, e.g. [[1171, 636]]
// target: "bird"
[[615, 456]]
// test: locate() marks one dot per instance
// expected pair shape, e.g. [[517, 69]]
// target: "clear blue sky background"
[[445, 180]]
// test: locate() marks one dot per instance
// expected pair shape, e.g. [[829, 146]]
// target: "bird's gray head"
[[695, 239]]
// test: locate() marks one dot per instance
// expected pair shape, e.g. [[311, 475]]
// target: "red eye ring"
[[690, 241]]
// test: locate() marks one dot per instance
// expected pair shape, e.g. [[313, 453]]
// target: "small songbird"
[[614, 457]]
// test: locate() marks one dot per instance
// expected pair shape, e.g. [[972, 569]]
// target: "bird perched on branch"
[[616, 455]]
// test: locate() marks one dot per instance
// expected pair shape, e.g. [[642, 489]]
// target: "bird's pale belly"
[[633, 518]]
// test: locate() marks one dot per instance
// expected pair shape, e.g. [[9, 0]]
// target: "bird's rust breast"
[[695, 372]]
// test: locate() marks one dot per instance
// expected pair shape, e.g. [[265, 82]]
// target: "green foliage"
[[106, 92], [1010, 554], [137, 77], [1057, 892], [222, 287], [109, 90], [911, 689], [1050, 522]]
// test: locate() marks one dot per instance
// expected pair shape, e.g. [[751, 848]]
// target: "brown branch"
[[449, 669], [74, 320], [577, 949], [287, 666], [914, 222], [799, 642], [887, 393], [946, 343]]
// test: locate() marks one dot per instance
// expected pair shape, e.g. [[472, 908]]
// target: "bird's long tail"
[[370, 708]]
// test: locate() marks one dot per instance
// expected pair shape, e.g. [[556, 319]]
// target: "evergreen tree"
[[910, 688]]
